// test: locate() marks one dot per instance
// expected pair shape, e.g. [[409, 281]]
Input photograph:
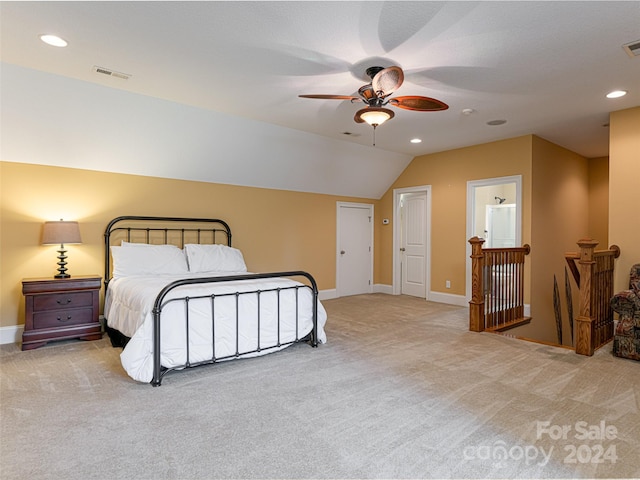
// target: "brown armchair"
[[626, 338]]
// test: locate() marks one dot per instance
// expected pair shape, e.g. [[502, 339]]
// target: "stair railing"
[[593, 272], [497, 287]]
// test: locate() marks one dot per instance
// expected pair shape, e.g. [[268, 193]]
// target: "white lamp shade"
[[374, 115], [58, 233]]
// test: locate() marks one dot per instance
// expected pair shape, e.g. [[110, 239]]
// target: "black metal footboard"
[[161, 301]]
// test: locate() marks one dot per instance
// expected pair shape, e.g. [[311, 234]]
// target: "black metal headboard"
[[163, 230]]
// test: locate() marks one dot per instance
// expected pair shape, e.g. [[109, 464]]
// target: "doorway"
[[411, 241], [354, 249], [494, 212]]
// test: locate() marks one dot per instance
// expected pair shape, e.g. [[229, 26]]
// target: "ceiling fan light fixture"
[[374, 116]]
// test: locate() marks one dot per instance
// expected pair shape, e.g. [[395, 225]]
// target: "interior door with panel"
[[354, 249], [413, 244]]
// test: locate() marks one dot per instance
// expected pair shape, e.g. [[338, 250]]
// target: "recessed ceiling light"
[[416, 140], [53, 40], [616, 94], [496, 122], [468, 111]]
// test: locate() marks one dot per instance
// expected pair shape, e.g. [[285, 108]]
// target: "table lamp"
[[61, 232]]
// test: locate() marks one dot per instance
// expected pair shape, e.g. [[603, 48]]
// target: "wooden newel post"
[[585, 319], [476, 305]]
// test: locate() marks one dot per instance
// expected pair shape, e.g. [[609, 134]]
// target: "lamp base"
[[62, 264]]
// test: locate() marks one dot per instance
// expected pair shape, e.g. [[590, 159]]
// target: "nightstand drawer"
[[63, 318], [58, 301]]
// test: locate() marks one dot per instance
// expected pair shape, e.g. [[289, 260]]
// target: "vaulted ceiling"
[[543, 67]]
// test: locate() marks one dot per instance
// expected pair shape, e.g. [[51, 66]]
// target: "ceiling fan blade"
[[331, 97], [417, 103], [387, 81]]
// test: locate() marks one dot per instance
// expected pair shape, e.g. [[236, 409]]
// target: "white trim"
[[327, 294], [448, 298], [381, 288], [471, 186], [11, 334], [397, 280], [368, 206]]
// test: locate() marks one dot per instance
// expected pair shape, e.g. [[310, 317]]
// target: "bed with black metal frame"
[[179, 231]]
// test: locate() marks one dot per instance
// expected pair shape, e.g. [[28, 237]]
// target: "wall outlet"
[[448, 284]]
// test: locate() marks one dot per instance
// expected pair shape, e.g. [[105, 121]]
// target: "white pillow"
[[214, 258], [138, 244], [151, 260]]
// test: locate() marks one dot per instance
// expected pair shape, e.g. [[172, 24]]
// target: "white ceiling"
[[545, 67]]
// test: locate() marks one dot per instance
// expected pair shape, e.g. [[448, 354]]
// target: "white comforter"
[[129, 304]]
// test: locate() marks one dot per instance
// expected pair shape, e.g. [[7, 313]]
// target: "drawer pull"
[[64, 302], [60, 319]]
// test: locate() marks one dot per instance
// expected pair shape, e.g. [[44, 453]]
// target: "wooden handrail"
[[570, 259]]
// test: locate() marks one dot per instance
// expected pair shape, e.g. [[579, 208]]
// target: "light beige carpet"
[[401, 390]]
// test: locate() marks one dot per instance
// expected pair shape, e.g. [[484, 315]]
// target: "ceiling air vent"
[[111, 73], [632, 49]]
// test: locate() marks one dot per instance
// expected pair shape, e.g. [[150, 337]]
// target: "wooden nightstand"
[[57, 309]]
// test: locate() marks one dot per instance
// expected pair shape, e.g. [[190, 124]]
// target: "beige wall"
[[555, 215], [599, 201], [283, 229], [559, 219], [448, 173], [624, 185], [275, 229]]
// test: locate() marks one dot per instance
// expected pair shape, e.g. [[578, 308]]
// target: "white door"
[[354, 249], [413, 245]]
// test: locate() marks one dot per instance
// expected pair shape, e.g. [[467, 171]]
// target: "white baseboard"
[[381, 288], [449, 298], [327, 294], [459, 300], [377, 288], [11, 334]]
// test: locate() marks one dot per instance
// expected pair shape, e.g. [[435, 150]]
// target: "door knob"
[[342, 252], [402, 249]]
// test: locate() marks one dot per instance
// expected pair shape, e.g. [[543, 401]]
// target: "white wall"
[[54, 120]]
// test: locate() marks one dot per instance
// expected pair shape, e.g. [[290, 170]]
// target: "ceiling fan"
[[384, 81]]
